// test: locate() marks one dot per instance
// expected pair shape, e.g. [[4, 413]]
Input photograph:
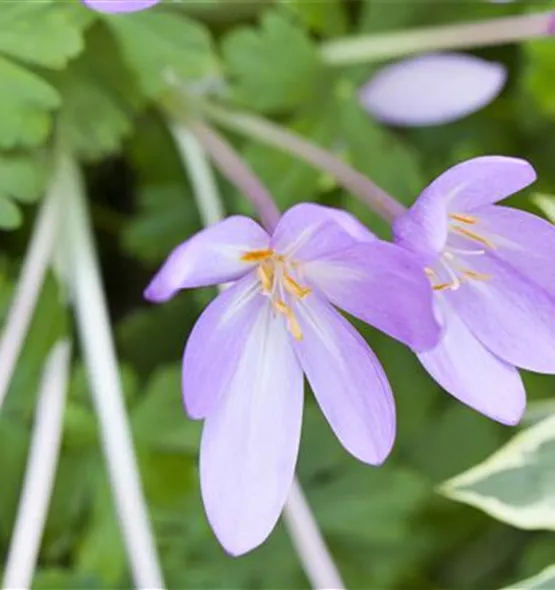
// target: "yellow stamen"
[[293, 326], [477, 276], [442, 286], [473, 236], [292, 322], [257, 255], [282, 307], [429, 272], [265, 274], [294, 288], [464, 218]]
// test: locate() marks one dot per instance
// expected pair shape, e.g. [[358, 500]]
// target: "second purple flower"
[[491, 269]]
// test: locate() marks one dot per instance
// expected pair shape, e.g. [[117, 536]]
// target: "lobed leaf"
[[276, 67]]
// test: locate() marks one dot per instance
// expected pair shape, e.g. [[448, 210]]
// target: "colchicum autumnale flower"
[[244, 360], [119, 5], [491, 268], [432, 89]]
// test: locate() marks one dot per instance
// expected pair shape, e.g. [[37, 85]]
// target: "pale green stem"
[[305, 534], [41, 470], [309, 543], [31, 279], [93, 323], [386, 46], [210, 205], [275, 135]]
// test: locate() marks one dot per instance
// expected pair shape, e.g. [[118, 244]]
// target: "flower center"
[[455, 263], [277, 279]]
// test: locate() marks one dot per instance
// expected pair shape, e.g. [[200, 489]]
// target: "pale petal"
[[307, 231], [217, 343], [120, 5], [469, 371], [462, 188], [348, 381], [212, 256], [250, 440], [509, 314], [523, 240], [381, 284], [432, 89]]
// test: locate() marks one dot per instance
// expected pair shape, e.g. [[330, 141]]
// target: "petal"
[[524, 241], [216, 345], [462, 188], [382, 285], [211, 256], [250, 440], [119, 5], [306, 231], [469, 371], [348, 381], [509, 314], [432, 89]]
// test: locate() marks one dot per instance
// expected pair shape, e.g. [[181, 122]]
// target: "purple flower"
[[492, 271], [432, 89], [120, 5], [245, 358]]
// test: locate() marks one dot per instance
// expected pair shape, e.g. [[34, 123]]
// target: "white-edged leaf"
[[546, 203], [545, 580], [517, 483]]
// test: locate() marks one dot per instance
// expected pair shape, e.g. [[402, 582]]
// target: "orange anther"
[[471, 220], [472, 235], [257, 255], [294, 288]]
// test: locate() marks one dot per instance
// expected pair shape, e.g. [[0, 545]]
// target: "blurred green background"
[[94, 84]]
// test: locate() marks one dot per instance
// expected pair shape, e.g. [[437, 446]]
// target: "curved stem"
[[369, 48], [94, 329], [303, 529], [33, 273], [234, 168], [41, 470], [272, 134]]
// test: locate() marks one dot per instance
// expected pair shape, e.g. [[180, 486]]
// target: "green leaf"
[[101, 552], [276, 67], [49, 323], [76, 476], [328, 17], [372, 505], [63, 579], [156, 45], [22, 177], [545, 580], [155, 335], [45, 34], [516, 484], [539, 75], [159, 421], [27, 101], [14, 435], [546, 203], [10, 216], [165, 219], [99, 99]]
